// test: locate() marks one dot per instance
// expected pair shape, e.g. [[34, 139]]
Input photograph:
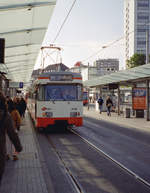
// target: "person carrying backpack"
[[100, 103]]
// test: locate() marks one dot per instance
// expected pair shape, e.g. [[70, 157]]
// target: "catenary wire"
[[64, 20], [106, 46], [110, 44]]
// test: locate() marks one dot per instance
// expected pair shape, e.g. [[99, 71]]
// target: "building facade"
[[106, 66], [101, 67], [136, 25], [88, 72]]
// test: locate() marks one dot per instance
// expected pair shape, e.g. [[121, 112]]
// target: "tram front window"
[[62, 92]]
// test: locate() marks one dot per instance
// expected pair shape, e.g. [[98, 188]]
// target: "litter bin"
[[139, 113], [127, 112]]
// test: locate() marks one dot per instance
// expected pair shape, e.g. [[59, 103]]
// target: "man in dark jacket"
[[6, 127], [23, 106], [109, 105], [100, 103]]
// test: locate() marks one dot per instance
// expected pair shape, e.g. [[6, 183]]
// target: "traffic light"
[[2, 49]]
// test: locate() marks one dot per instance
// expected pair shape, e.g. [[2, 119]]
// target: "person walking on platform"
[[17, 122], [15, 115], [100, 103], [6, 127], [23, 106], [109, 105], [16, 101]]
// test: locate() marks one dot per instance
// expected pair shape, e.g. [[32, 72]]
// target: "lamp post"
[[147, 46], [147, 81]]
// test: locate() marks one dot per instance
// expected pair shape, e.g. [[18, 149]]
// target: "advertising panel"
[[139, 98]]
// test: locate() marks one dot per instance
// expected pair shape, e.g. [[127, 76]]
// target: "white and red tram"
[[56, 98]]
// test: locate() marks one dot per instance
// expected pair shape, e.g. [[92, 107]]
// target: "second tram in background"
[[55, 98], [85, 98]]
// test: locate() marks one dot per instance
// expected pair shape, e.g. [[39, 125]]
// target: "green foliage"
[[136, 60]]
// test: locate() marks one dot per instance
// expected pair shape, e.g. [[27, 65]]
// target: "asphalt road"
[[130, 147], [67, 154]]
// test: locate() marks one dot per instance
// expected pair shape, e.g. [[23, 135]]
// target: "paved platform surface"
[[29, 173], [137, 123], [26, 175]]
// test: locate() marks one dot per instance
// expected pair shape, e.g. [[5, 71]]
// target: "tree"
[[136, 60]]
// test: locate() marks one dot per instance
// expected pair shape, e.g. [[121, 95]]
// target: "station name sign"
[[15, 84]]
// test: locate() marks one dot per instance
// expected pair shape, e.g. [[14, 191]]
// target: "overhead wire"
[[64, 20], [102, 48], [110, 44], [106, 46]]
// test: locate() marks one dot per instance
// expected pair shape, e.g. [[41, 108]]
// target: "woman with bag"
[[6, 127], [109, 104], [17, 121]]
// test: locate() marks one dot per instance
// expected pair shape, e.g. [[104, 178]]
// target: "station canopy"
[[123, 77], [23, 26]]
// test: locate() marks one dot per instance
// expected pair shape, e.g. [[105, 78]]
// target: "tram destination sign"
[[61, 77]]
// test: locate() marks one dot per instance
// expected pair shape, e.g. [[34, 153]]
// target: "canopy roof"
[[23, 25], [123, 77]]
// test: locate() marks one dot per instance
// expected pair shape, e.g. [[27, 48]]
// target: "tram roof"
[[123, 77], [46, 74], [23, 25]]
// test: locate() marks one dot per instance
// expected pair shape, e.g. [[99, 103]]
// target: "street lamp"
[[147, 42], [147, 61], [147, 46]]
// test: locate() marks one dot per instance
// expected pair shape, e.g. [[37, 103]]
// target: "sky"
[[91, 31]]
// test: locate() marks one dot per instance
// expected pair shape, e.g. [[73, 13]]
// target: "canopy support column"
[[118, 102], [100, 91], [88, 98], [147, 99]]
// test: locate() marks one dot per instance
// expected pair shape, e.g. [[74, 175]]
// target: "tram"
[[55, 98], [85, 98]]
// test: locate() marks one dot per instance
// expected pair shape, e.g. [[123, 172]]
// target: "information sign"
[[139, 98]]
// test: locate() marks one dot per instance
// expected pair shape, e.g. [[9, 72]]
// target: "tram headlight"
[[74, 114], [47, 114]]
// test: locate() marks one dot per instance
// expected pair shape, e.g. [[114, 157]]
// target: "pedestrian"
[[100, 103], [15, 115], [17, 122], [109, 105], [23, 106], [16, 101], [90, 98], [9, 102], [6, 127]]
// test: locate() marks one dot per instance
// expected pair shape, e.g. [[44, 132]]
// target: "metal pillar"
[[147, 100], [118, 100], [147, 46], [88, 99], [100, 91]]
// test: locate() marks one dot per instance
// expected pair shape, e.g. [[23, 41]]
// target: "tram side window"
[[40, 93], [79, 91]]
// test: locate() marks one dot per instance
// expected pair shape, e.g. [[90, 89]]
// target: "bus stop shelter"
[[130, 77]]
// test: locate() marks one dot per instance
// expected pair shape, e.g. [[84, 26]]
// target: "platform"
[[29, 173], [26, 175]]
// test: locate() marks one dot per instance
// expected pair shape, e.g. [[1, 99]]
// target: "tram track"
[[69, 173], [76, 166], [136, 176]]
